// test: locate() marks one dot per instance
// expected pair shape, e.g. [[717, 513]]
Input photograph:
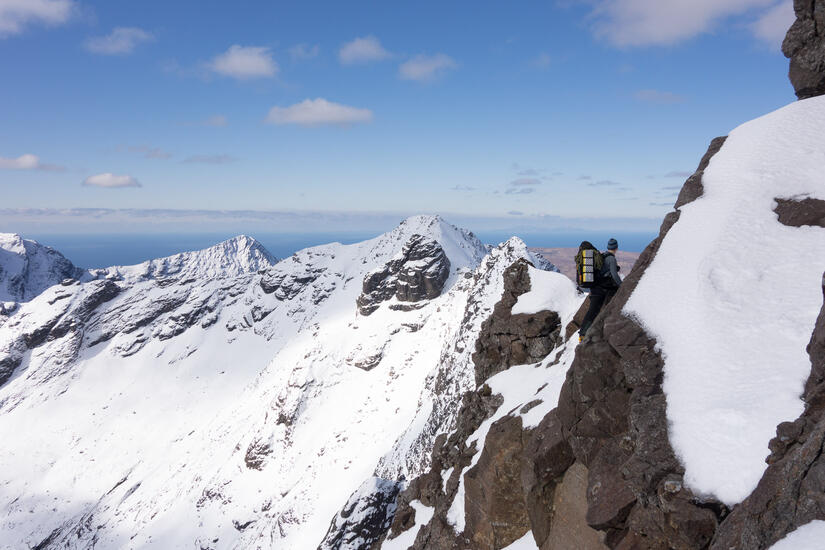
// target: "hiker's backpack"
[[589, 264]]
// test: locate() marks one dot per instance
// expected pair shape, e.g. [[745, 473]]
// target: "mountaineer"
[[600, 273]]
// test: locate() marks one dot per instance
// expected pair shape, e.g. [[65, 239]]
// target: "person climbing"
[[607, 282]]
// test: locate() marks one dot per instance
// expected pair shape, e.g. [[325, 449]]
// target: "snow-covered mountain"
[[229, 258], [27, 268], [162, 405]]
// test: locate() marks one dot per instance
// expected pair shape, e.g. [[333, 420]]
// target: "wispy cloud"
[[29, 162], [110, 180], [245, 63], [772, 25], [520, 190], [210, 159], [216, 121], [521, 182], [121, 41], [462, 188], [678, 174], [302, 52], [362, 50], [650, 22], [426, 68], [604, 183], [16, 15], [318, 112], [658, 96], [515, 213], [584, 178], [150, 152]]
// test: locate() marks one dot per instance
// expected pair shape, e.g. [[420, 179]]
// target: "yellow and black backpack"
[[589, 264]]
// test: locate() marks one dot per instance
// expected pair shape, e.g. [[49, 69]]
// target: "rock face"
[[417, 273], [796, 213], [507, 339], [365, 519], [612, 412], [502, 496], [805, 46]]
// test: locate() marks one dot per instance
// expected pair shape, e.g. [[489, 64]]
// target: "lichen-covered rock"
[[804, 45], [417, 273]]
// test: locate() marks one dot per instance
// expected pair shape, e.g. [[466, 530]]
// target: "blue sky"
[[518, 114]]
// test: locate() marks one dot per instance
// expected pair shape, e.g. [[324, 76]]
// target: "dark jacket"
[[610, 271]]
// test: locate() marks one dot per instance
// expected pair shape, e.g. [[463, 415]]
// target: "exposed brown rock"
[[613, 414], [796, 213], [495, 508], [804, 45], [569, 528], [506, 339]]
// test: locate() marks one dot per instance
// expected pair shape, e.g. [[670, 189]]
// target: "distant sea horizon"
[[104, 250]]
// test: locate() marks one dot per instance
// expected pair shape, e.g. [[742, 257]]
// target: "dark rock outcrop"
[[506, 339], [510, 475], [450, 454], [363, 522], [613, 415], [417, 274], [804, 45], [796, 213]]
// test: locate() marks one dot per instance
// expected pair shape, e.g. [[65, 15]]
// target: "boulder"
[[804, 45]]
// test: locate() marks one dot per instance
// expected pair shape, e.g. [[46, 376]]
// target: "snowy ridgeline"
[[192, 402], [747, 292]]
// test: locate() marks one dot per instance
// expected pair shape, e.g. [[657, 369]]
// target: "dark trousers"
[[599, 296]]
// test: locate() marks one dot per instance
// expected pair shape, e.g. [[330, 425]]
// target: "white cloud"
[[658, 96], [772, 26], [300, 52], [121, 41], [23, 162], [28, 162], [245, 62], [362, 50], [426, 67], [647, 22], [108, 179], [16, 14], [317, 112]]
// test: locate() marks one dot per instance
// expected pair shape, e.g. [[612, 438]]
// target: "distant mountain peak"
[[27, 268], [229, 258]]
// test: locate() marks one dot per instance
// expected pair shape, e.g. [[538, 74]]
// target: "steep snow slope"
[[230, 258], [234, 412], [27, 268], [732, 297]]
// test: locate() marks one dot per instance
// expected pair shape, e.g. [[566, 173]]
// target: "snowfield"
[[184, 404], [732, 297]]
